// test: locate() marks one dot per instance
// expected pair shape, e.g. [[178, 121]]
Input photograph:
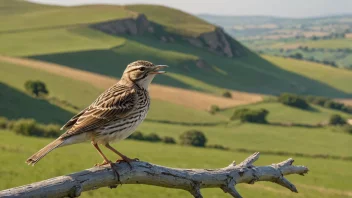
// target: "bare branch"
[[191, 180]]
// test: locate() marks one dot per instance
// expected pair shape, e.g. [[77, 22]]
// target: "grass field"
[[337, 78], [271, 138], [35, 18], [326, 44], [286, 114], [320, 182], [56, 41]]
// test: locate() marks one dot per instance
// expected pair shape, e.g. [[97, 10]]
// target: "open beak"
[[156, 69]]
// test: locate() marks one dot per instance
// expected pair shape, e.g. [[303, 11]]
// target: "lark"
[[113, 116]]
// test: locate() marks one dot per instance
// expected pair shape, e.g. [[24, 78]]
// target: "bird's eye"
[[142, 69]]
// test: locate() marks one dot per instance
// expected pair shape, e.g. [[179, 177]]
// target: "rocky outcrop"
[[216, 41], [131, 26]]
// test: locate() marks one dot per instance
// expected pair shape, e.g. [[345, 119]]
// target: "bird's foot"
[[127, 160], [112, 166]]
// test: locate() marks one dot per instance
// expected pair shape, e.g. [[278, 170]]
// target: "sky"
[[283, 8]]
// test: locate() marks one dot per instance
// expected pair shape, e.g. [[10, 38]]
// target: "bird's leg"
[[124, 157], [106, 161]]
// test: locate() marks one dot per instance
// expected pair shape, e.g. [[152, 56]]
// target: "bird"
[[113, 116]]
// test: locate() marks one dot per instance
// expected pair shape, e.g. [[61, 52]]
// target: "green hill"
[[104, 38], [15, 103]]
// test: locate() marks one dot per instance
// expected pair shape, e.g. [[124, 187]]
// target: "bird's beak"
[[156, 69]]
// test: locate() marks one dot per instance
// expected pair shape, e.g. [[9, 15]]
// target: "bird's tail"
[[44, 151]]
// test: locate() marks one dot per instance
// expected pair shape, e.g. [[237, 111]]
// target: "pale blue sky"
[[285, 8]]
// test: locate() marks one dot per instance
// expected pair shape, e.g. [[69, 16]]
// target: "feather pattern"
[[115, 103]]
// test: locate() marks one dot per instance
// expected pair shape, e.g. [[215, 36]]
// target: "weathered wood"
[[191, 180]]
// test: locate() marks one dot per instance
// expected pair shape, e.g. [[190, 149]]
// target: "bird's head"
[[142, 72]]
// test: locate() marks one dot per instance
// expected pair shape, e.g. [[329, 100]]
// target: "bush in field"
[[214, 109], [333, 105], [293, 100], [329, 103], [238, 113], [317, 100], [24, 126], [152, 138], [337, 120], [217, 146], [251, 115], [255, 116], [30, 127], [3, 122], [168, 140], [193, 138], [227, 94], [36, 88], [136, 136]]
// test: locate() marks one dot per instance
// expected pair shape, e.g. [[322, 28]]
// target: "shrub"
[[3, 122], [193, 138], [217, 146], [333, 105], [136, 136], [214, 109], [337, 120], [30, 127], [52, 130], [317, 100], [152, 138], [168, 140], [227, 94], [293, 100], [238, 113], [36, 87], [255, 116], [24, 126]]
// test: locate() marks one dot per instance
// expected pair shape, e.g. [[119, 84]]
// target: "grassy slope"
[[82, 94], [338, 78], [283, 113], [244, 74], [15, 149], [55, 41], [36, 18]]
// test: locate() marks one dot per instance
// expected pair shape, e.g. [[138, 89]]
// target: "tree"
[[36, 87], [193, 138], [251, 115], [227, 94], [337, 120], [214, 109], [152, 137], [297, 56], [168, 140], [293, 100]]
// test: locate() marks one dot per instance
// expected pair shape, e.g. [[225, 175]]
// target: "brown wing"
[[115, 102], [73, 120]]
